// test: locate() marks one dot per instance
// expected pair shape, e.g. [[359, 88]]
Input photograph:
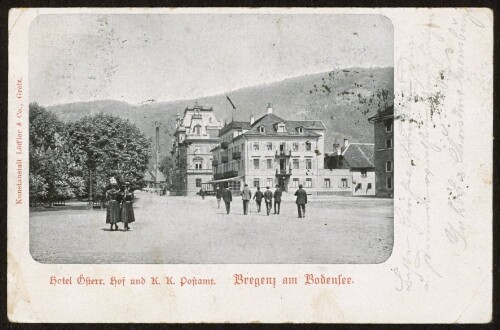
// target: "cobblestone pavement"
[[192, 230]]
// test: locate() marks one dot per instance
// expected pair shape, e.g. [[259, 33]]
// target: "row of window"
[[269, 182], [343, 183], [295, 163], [283, 146]]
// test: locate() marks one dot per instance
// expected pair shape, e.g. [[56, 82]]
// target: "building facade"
[[350, 170], [383, 124], [270, 151], [195, 135]]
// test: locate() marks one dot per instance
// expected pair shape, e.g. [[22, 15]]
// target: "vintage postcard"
[[250, 165]]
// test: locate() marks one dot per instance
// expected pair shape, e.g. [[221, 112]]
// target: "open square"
[[190, 230]]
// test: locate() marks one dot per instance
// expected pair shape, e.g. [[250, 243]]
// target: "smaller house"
[[358, 160], [152, 181]]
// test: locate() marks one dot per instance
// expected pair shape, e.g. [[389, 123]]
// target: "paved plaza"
[[192, 230]]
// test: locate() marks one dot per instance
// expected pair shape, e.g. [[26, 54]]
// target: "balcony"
[[215, 162], [230, 174], [283, 172], [225, 175], [224, 159], [224, 145], [199, 170], [284, 153], [237, 155]]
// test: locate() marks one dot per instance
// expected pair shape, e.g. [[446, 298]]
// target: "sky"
[[141, 58]]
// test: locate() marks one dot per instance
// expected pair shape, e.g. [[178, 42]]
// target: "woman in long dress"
[[127, 215], [113, 209]]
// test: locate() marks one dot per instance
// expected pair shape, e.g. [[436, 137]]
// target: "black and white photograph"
[[250, 165], [211, 139]]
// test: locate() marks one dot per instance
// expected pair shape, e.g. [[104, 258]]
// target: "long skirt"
[[113, 212], [127, 212]]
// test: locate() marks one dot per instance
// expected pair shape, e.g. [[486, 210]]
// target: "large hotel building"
[[269, 151]]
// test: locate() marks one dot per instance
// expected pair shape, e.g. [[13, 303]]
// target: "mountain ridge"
[[343, 99]]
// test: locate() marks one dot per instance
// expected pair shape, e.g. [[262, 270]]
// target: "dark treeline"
[[77, 159]]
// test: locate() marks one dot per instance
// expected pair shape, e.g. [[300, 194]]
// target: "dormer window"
[[197, 130], [300, 129], [281, 128], [262, 129]]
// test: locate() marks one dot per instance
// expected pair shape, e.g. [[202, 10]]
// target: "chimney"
[[252, 120], [346, 143], [269, 109], [336, 148]]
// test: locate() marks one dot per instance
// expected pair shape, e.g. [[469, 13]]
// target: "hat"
[[300, 186], [267, 187]]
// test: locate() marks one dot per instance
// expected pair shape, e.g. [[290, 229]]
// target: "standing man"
[[246, 195], [277, 200], [202, 193], [218, 195], [258, 198], [228, 198], [268, 197], [301, 201]]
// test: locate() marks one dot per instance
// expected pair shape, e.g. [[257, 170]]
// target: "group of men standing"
[[268, 196]]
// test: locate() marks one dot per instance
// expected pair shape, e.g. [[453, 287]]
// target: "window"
[[388, 166], [295, 163], [197, 130], [388, 126], [269, 163], [369, 186], [389, 182], [309, 182], [269, 182], [198, 183], [198, 163], [282, 146], [234, 185], [327, 183], [269, 145], [256, 163], [256, 183], [360, 185], [262, 129], [363, 173], [281, 128], [256, 146], [295, 182], [343, 183], [388, 143], [295, 146], [308, 146], [308, 164], [300, 129]]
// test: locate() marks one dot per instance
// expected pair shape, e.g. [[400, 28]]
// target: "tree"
[[53, 172], [108, 146]]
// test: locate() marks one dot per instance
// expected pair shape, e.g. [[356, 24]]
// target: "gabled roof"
[[270, 121], [359, 155], [309, 124], [234, 124], [149, 176], [382, 115]]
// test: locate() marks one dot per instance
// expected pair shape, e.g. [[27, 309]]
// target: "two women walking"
[[120, 206]]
